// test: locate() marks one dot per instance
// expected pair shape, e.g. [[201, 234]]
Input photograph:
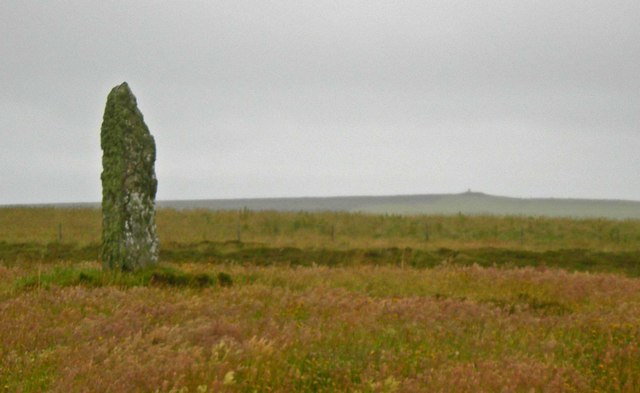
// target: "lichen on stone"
[[129, 185]]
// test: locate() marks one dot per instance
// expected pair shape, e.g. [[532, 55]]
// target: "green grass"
[[322, 302], [587, 260], [162, 275], [331, 230]]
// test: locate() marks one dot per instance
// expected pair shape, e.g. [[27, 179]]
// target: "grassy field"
[[333, 230], [248, 301]]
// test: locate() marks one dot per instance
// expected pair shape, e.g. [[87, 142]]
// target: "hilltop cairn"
[[129, 184]]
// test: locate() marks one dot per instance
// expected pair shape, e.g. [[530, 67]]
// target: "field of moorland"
[[264, 301]]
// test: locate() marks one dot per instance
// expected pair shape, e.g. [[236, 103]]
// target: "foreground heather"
[[320, 329]]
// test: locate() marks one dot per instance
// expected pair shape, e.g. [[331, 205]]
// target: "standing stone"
[[129, 184]]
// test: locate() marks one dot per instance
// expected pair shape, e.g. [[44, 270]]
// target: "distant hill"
[[469, 203]]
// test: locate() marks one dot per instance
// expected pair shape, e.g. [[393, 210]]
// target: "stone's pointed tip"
[[123, 86], [122, 89]]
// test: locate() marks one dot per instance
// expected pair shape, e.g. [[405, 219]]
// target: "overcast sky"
[[531, 98]]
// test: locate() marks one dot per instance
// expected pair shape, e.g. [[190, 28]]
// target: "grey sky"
[[313, 98]]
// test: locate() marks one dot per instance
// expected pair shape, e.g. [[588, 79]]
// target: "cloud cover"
[[301, 98]]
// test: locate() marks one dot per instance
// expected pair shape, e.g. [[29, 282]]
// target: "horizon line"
[[468, 192]]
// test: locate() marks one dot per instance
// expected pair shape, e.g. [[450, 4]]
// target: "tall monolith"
[[129, 184]]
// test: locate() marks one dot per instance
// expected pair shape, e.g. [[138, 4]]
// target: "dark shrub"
[[224, 279]]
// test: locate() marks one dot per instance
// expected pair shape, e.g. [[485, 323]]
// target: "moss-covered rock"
[[129, 184]]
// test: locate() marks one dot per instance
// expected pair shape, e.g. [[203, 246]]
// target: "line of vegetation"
[[625, 262], [331, 229], [45, 235], [163, 276]]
